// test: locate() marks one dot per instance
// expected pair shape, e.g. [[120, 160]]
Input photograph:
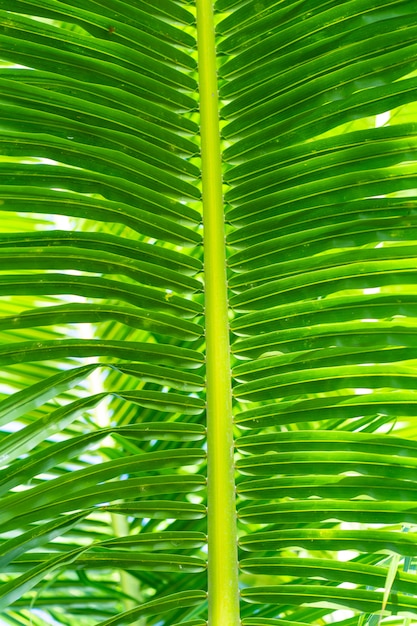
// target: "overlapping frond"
[[323, 233], [100, 326]]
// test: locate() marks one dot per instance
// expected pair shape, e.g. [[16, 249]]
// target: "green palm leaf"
[[165, 397]]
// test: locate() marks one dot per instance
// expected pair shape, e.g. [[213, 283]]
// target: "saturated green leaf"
[[156, 607], [23, 470], [332, 539], [359, 599], [325, 440], [21, 508], [119, 560], [397, 375], [160, 509], [38, 200], [17, 444], [318, 510], [320, 462], [172, 402], [25, 400], [338, 487], [36, 537], [344, 405], [103, 234], [14, 589], [37, 351], [156, 255], [253, 621], [97, 287], [67, 257], [159, 541], [358, 573], [193, 622]]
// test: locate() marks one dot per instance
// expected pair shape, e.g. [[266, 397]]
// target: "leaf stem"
[[222, 533]]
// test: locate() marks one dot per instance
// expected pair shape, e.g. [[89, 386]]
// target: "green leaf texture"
[[103, 427]]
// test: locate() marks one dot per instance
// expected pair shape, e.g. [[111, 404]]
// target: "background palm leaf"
[[102, 417]]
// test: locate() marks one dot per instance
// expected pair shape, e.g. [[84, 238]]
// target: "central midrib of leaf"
[[222, 535]]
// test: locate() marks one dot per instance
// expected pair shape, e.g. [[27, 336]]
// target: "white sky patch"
[[12, 427], [63, 222], [347, 555], [6, 389], [382, 119], [339, 615]]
